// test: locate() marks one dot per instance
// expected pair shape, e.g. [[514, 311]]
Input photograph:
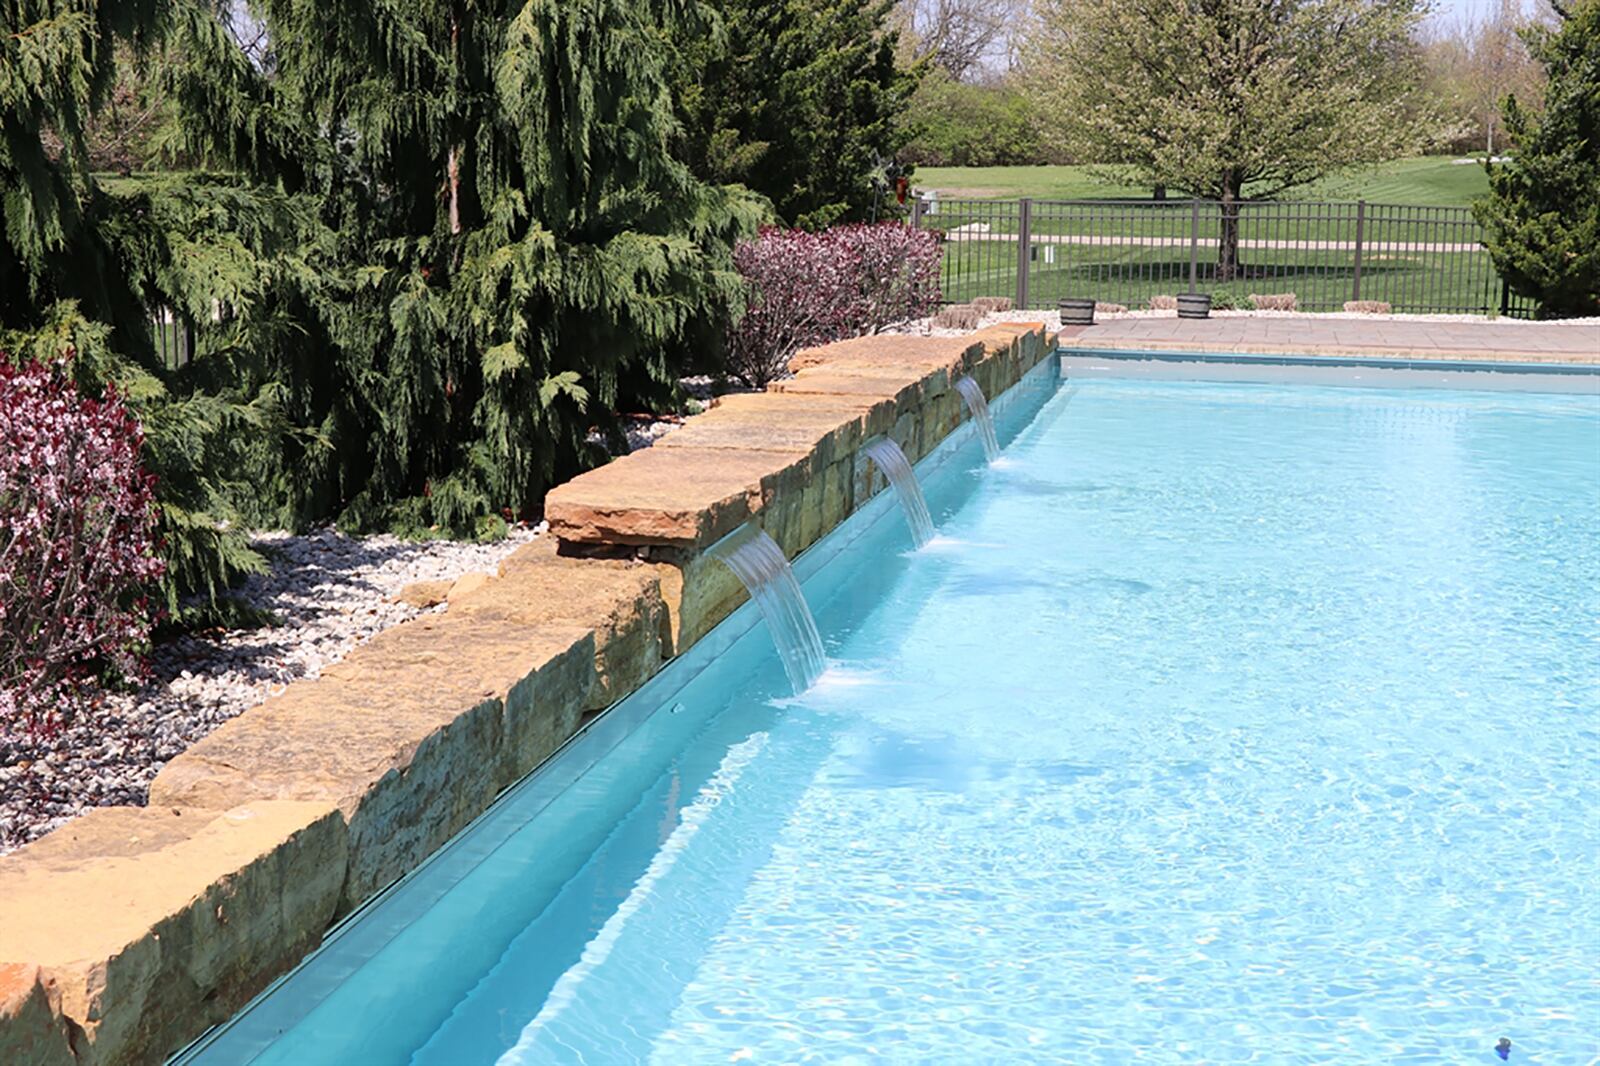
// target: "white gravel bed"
[[329, 592]]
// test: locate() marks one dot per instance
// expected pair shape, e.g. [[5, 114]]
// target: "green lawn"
[[1435, 180]]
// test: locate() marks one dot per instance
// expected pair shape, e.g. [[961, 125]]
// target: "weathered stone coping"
[[127, 932]]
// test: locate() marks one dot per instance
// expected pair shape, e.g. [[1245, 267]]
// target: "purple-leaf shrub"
[[812, 288], [897, 272], [77, 546]]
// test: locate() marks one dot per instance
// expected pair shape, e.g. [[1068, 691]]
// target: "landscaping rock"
[[990, 304], [958, 316], [424, 594], [327, 593], [1366, 307], [1163, 303], [1277, 301]]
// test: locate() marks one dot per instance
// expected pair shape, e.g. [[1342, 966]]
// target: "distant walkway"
[[1523, 342]]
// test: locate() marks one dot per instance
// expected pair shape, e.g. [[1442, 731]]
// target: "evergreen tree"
[[521, 247], [116, 272], [1542, 215], [799, 100]]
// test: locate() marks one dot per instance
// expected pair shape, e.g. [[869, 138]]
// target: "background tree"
[[91, 264], [799, 100], [1470, 67], [966, 39], [1542, 215], [521, 246], [1220, 98]]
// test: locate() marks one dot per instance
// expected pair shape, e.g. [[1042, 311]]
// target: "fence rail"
[[1414, 258]]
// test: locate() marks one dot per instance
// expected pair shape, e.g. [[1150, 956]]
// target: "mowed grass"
[[1433, 180]]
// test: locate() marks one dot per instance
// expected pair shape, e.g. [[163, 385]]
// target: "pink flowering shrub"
[[897, 274], [812, 288], [77, 550]]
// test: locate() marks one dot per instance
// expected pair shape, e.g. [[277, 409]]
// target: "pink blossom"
[[77, 546], [812, 288]]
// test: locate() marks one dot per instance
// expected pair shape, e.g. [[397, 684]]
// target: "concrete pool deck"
[[1514, 342]]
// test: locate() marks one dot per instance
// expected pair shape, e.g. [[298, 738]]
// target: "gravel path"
[[329, 591]]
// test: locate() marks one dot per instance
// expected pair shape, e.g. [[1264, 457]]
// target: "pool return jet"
[[887, 457], [972, 393], [759, 564]]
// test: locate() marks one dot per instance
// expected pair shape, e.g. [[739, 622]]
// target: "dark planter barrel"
[[1076, 312], [1194, 305]]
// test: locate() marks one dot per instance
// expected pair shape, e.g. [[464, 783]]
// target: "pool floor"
[[1222, 723]]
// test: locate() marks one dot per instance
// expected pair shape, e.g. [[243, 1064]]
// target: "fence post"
[[1024, 249], [1505, 298], [916, 212], [1361, 225], [1194, 245]]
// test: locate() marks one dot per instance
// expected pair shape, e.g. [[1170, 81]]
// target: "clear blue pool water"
[[1223, 723]]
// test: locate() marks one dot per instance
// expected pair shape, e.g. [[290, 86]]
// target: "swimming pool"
[[1222, 722]]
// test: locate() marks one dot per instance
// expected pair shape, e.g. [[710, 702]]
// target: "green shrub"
[[1542, 215]]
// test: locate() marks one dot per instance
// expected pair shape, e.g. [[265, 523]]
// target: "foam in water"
[[897, 468], [972, 393], [760, 565]]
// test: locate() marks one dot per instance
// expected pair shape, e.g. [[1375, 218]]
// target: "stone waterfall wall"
[[127, 932]]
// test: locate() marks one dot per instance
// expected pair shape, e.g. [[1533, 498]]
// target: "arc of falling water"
[[888, 457], [760, 565], [972, 393]]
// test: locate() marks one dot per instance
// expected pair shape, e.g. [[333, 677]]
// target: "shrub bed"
[[77, 545], [811, 288]]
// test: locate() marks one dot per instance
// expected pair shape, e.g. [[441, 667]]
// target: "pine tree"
[[799, 100], [113, 271], [1542, 215], [521, 247]]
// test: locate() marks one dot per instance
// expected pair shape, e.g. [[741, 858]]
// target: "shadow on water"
[[943, 763], [1011, 583]]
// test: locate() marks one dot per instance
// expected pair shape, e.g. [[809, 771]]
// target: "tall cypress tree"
[[523, 247], [799, 100], [91, 265]]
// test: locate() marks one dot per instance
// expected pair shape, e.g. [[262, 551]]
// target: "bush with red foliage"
[[812, 288], [77, 550]]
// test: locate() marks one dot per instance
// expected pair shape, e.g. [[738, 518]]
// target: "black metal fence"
[[1416, 259]]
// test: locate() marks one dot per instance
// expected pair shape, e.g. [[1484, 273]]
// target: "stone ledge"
[[620, 599], [130, 929], [678, 497], [789, 458], [412, 736]]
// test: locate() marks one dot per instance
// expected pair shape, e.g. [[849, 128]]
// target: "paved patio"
[[1521, 342]]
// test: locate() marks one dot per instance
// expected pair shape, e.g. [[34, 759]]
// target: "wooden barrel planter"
[[1076, 312], [1194, 305]]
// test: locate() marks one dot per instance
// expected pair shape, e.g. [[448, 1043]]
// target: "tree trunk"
[[1228, 266]]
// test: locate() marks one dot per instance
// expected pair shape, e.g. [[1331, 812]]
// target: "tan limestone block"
[[412, 735], [681, 497], [30, 1032], [148, 925], [619, 599], [950, 354], [767, 421]]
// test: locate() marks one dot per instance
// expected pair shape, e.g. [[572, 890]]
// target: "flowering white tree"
[[1209, 97]]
